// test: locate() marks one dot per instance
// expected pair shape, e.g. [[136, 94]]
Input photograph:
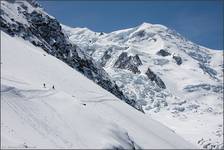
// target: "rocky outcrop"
[[178, 59], [163, 53], [205, 87], [128, 62], [153, 77], [106, 57], [206, 69]]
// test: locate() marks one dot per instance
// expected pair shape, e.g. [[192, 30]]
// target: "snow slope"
[[77, 114], [43, 30], [150, 67], [191, 102]]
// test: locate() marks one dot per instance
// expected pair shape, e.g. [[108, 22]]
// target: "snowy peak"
[[77, 114], [47, 103], [163, 72], [151, 67], [146, 26]]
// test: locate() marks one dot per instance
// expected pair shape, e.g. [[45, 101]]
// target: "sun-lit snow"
[[190, 87], [77, 114], [80, 114]]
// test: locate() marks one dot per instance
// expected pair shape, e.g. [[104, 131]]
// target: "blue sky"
[[201, 21]]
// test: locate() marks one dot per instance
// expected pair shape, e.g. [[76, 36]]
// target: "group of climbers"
[[45, 86]]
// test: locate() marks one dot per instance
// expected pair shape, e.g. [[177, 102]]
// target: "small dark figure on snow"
[[53, 87], [44, 85]]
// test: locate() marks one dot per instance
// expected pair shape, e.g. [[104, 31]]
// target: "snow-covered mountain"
[[176, 81], [77, 113], [150, 67], [27, 20]]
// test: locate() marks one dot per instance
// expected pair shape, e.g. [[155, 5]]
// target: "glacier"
[[152, 68]]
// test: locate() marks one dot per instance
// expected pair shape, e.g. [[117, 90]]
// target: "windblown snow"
[[77, 114]]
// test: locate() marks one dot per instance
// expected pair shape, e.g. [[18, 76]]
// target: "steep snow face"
[[43, 30], [155, 68], [175, 77], [76, 114]]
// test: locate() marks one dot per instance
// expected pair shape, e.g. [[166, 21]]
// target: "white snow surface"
[[201, 108], [77, 114]]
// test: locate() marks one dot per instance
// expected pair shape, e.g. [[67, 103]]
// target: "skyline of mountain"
[[198, 21], [136, 88]]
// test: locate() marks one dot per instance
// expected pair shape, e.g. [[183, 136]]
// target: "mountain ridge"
[[175, 75], [43, 30], [151, 67]]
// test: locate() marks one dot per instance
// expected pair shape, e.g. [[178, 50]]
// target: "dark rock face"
[[206, 87], [136, 60], [178, 59], [106, 56], [163, 53], [153, 77], [199, 55], [128, 62], [45, 32], [211, 72], [141, 33], [122, 60]]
